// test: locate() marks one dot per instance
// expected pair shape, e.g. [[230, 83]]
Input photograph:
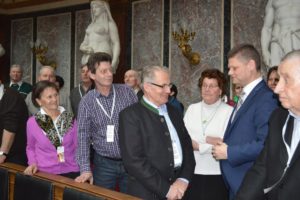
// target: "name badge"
[[110, 133], [60, 154]]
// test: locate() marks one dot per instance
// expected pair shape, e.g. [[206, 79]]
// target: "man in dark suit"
[[13, 117], [16, 83], [155, 146], [275, 174], [248, 125]]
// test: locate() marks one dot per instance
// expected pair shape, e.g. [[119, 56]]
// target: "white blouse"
[[203, 120]]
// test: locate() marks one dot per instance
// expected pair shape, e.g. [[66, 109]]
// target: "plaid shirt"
[[92, 123]]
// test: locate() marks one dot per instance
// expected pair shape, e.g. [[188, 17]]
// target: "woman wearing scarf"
[[51, 135]]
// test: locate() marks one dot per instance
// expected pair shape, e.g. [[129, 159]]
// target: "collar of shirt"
[[294, 115], [295, 138], [60, 108], [161, 109], [19, 83], [98, 94], [1, 91], [248, 88]]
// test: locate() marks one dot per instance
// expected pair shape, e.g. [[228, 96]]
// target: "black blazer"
[[270, 165], [147, 152]]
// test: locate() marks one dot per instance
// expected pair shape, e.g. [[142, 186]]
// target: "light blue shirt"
[[162, 110]]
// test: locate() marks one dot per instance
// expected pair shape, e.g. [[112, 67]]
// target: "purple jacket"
[[42, 152]]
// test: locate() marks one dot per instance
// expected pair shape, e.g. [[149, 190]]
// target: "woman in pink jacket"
[[51, 135]]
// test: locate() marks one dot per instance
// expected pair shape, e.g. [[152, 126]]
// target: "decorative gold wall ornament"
[[183, 37], [39, 49]]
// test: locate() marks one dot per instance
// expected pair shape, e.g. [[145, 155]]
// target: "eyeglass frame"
[[203, 86], [164, 86]]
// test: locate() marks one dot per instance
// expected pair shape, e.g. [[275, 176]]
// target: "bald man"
[[47, 73], [133, 80]]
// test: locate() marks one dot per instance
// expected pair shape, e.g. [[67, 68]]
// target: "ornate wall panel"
[[82, 19], [21, 36], [247, 21], [147, 33], [56, 31], [206, 18]]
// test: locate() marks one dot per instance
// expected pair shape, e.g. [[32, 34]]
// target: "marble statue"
[[102, 34], [2, 51], [281, 30]]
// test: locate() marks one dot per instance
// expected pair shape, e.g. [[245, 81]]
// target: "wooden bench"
[[60, 183]]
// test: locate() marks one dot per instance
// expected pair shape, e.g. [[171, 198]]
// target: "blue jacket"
[[245, 135]]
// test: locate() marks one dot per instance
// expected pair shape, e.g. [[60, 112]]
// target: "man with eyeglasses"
[[155, 146]]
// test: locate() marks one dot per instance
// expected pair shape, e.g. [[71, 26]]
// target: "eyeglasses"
[[209, 86], [164, 86]]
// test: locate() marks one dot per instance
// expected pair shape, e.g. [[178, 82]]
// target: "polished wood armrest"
[[60, 182]]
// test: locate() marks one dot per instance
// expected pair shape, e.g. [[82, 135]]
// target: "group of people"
[[149, 147], [136, 136]]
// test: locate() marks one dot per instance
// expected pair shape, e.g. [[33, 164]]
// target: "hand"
[[84, 177], [213, 140], [180, 185], [195, 145], [31, 169], [2, 158], [219, 151], [177, 190]]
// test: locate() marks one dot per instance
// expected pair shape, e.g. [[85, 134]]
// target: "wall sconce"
[[39, 49], [183, 37]]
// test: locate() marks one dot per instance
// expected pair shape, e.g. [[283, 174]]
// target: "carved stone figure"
[[101, 34], [281, 30]]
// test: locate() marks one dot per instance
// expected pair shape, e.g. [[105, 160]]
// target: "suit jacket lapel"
[[249, 100], [296, 155]]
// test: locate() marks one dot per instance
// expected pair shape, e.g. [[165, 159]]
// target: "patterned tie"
[[239, 104], [289, 130]]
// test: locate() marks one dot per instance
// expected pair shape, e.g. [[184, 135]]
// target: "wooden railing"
[[59, 183]]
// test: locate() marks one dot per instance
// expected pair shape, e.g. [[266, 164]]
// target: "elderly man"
[[155, 146], [16, 83], [98, 122], [248, 125], [47, 74], [275, 174], [13, 117], [132, 79]]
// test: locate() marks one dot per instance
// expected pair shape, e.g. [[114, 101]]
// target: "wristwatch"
[[3, 154]]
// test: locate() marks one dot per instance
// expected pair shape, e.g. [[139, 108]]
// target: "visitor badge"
[[60, 154], [110, 133]]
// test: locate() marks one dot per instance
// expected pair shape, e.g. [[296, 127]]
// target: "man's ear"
[[146, 86], [252, 65], [92, 76]]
